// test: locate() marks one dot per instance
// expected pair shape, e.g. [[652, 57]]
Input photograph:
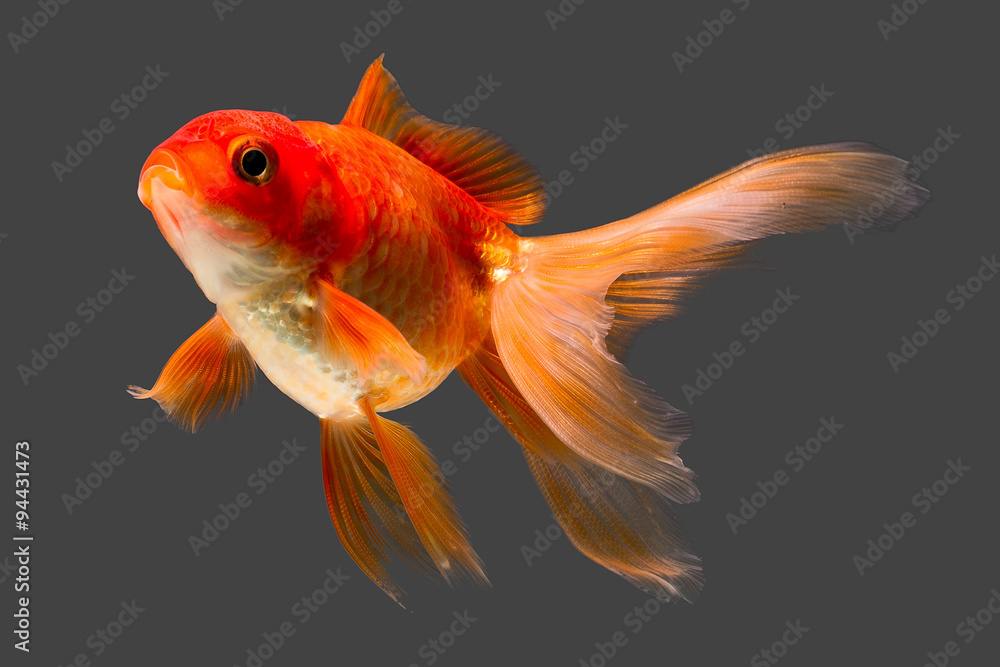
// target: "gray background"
[[825, 357]]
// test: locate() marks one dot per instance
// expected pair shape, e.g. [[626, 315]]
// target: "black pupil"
[[254, 162]]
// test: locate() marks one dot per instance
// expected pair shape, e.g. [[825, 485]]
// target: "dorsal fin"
[[476, 160]]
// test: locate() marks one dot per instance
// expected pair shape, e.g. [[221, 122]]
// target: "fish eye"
[[255, 161]]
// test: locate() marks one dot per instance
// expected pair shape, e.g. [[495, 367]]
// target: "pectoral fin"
[[347, 329], [210, 374]]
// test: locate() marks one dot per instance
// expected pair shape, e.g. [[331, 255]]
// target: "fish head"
[[235, 193]]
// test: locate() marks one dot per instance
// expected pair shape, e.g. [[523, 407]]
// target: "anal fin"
[[365, 505], [427, 501]]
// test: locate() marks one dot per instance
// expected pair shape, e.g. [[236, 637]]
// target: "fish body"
[[401, 238], [359, 264], [424, 258]]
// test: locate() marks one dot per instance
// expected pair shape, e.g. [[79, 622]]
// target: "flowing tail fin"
[[619, 524], [563, 324]]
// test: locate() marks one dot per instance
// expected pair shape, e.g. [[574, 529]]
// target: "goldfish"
[[357, 265]]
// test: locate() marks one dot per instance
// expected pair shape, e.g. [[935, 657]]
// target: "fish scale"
[[420, 270], [425, 279]]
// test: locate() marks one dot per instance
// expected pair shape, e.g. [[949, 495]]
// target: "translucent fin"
[[365, 505], [621, 525], [349, 329], [427, 501], [550, 336], [618, 524], [478, 161], [670, 248], [210, 375], [551, 321], [642, 298]]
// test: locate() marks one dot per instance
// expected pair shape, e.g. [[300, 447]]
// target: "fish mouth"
[[165, 166], [166, 189]]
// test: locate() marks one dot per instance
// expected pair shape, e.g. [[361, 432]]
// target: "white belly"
[[275, 326]]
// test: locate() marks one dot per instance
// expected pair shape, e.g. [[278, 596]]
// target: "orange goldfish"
[[359, 264]]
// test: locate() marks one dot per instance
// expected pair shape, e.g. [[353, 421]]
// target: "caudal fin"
[[624, 526], [563, 324]]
